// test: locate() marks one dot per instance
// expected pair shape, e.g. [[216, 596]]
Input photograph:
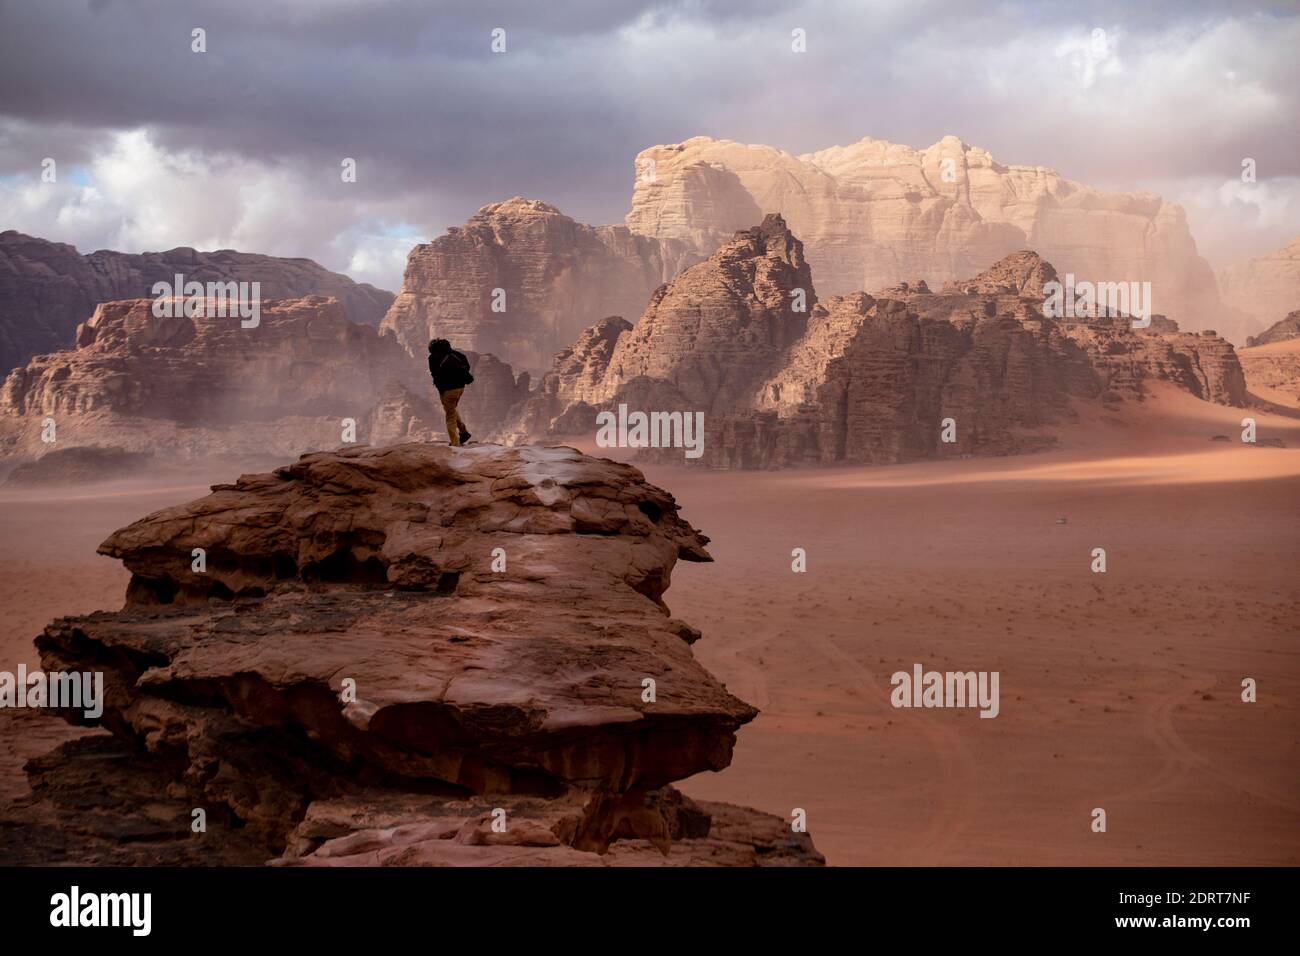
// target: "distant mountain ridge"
[[875, 213], [48, 288], [862, 378]]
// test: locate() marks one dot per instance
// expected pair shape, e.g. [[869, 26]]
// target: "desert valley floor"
[[1118, 690]]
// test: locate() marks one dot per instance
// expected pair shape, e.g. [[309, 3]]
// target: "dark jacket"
[[450, 370]]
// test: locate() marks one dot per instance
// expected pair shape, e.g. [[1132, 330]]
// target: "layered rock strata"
[[181, 388], [875, 213], [975, 368], [521, 280], [410, 655]]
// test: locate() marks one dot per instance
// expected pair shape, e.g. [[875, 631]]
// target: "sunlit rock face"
[[522, 280], [874, 213]]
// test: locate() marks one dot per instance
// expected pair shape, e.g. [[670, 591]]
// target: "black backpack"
[[466, 375]]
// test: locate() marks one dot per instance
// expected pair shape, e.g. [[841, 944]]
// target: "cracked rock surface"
[[408, 655]]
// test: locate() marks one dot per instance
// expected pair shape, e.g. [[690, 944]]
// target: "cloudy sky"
[[240, 147]]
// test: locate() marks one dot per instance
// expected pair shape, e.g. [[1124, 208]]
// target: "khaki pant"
[[455, 424]]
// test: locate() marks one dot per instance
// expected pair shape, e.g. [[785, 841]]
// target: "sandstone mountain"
[[48, 288], [354, 679], [874, 213], [1265, 289], [702, 342], [1272, 362], [719, 325], [862, 378], [556, 277], [1282, 330], [184, 388]]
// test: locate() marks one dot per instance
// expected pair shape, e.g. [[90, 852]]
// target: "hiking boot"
[[464, 437]]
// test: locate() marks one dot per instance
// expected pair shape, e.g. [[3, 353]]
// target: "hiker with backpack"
[[450, 372]]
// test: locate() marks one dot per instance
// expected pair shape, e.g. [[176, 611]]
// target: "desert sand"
[[1118, 690]]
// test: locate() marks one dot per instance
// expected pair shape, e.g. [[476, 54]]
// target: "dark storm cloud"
[[440, 125], [413, 87]]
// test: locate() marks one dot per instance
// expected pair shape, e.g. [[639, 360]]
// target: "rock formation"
[[875, 213], [47, 288], [861, 378], [1201, 363], [185, 388], [555, 277], [409, 655], [1264, 289], [721, 325], [1281, 331], [1272, 362], [188, 387], [703, 343]]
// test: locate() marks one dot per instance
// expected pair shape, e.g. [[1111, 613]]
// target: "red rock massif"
[[1272, 362], [861, 378], [48, 288], [1282, 330], [556, 277], [782, 377], [409, 655], [187, 387], [875, 213], [181, 388]]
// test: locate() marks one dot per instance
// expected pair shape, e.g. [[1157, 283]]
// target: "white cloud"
[[136, 196], [1234, 221], [1091, 56]]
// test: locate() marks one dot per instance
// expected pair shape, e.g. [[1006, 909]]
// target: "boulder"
[[389, 647]]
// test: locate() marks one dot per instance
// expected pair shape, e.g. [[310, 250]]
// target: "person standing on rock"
[[450, 371]]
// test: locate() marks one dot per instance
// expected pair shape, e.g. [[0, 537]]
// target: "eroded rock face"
[[874, 380], [1272, 363], [704, 342], [861, 378], [575, 381], [1281, 331], [361, 676], [1201, 363], [721, 325], [47, 288], [556, 277], [1264, 288], [194, 387], [874, 213], [187, 387]]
